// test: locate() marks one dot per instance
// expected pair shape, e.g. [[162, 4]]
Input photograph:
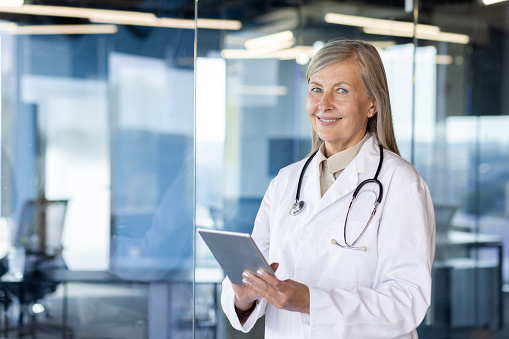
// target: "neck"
[[331, 149]]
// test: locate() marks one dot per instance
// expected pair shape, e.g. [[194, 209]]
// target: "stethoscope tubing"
[[297, 196], [299, 205]]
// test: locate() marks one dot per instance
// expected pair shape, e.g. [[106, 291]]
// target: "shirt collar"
[[340, 160]]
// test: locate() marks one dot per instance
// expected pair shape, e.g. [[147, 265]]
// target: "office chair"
[[39, 232]]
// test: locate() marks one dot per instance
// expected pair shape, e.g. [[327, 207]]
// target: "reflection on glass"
[[152, 164], [104, 121]]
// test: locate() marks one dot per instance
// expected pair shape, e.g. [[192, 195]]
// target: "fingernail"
[[245, 274], [259, 272], [244, 281]]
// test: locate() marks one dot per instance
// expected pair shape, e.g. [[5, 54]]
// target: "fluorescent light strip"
[[444, 59], [296, 52], [11, 2], [269, 40], [440, 36], [75, 12], [360, 21], [64, 29], [122, 17], [231, 25], [171, 22], [491, 2], [396, 28], [12, 28], [274, 47]]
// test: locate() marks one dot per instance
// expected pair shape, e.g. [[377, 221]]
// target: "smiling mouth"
[[328, 120]]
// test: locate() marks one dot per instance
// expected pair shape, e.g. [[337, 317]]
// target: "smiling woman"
[[338, 106], [364, 69], [365, 283]]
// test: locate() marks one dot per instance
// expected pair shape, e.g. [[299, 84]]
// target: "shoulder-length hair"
[[374, 80]]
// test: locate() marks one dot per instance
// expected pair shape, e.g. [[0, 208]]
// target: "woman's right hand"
[[245, 296]]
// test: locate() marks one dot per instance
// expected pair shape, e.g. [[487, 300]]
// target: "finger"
[[244, 293], [268, 278], [268, 287], [257, 284]]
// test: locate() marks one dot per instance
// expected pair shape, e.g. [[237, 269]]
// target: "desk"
[[470, 241], [161, 295]]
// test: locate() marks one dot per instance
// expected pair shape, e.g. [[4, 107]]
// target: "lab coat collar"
[[368, 157]]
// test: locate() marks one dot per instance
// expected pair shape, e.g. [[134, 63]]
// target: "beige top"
[[331, 168]]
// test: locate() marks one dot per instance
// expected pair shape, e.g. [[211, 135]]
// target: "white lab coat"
[[383, 292]]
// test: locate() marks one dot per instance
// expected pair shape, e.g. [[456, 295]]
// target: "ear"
[[373, 109]]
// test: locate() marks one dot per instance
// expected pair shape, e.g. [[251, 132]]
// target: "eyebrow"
[[334, 85]]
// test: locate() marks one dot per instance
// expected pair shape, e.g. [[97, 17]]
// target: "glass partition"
[[263, 111], [97, 111], [462, 161], [446, 68]]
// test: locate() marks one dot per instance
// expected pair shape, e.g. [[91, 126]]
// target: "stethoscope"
[[299, 204]]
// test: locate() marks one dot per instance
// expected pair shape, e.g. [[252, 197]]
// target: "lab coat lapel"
[[344, 185]]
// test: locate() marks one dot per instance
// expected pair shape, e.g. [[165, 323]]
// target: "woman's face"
[[338, 106]]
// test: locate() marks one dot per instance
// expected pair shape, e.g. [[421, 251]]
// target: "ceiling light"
[[396, 28], [268, 40], [72, 12], [273, 47], [122, 17], [491, 2], [439, 36], [64, 29], [11, 2], [298, 53], [233, 25], [444, 59], [12, 28], [360, 21]]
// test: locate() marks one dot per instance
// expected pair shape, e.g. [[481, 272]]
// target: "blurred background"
[[126, 124]]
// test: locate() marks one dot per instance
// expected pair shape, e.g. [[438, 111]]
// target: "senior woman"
[[360, 270]]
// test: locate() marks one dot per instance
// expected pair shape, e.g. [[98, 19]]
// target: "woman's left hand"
[[287, 295]]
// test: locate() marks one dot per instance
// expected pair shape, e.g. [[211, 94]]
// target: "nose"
[[325, 103]]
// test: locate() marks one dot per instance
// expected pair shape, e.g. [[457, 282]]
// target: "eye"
[[342, 91], [316, 90]]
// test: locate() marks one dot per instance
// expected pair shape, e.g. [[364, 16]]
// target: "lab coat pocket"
[[356, 266]]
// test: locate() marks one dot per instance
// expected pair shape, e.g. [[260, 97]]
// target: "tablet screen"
[[235, 252]]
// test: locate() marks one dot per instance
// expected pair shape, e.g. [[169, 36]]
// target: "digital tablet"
[[235, 252]]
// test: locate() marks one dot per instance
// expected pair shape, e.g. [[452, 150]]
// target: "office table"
[[157, 289], [471, 241]]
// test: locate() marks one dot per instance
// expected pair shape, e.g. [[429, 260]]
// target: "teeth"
[[329, 120]]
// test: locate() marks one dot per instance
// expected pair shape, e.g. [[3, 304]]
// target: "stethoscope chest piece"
[[297, 207]]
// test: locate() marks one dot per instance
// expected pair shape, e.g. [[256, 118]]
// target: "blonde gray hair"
[[374, 80]]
